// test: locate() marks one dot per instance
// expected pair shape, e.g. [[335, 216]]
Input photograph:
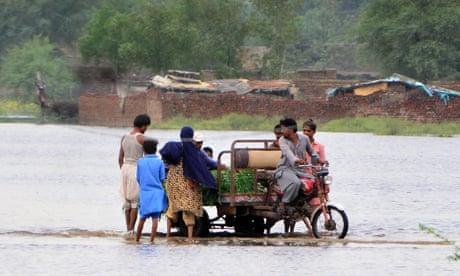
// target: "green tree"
[[324, 38], [105, 33], [161, 35], [157, 38], [274, 22], [60, 21], [221, 30], [21, 63], [418, 38]]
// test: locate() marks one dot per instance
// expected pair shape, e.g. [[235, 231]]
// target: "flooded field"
[[62, 212]]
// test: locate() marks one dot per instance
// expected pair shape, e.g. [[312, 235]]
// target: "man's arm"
[[162, 171], [140, 139], [312, 153], [322, 153], [291, 158], [121, 154]]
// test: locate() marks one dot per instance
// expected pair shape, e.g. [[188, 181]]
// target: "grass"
[[456, 255], [14, 111], [378, 126], [390, 126], [11, 107], [227, 122]]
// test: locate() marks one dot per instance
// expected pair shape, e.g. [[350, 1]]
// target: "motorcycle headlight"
[[328, 180]]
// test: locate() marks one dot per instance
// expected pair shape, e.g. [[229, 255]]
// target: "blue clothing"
[[171, 152], [152, 196], [194, 166], [211, 163]]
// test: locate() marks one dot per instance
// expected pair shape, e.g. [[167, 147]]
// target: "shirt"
[[290, 153]]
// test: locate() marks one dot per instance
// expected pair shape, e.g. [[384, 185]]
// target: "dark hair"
[[150, 145], [310, 124], [277, 128], [209, 149], [289, 123], [142, 120]]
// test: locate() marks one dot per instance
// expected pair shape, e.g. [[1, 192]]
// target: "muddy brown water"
[[61, 212]]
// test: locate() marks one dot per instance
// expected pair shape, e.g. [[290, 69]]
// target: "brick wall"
[[314, 88], [311, 88], [110, 110], [414, 105], [215, 105]]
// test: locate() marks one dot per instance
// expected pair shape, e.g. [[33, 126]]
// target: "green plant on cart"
[[244, 183]]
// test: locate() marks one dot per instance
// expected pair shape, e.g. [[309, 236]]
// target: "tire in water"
[[339, 221], [249, 225]]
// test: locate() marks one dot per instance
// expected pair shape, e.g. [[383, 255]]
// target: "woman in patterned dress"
[[186, 170]]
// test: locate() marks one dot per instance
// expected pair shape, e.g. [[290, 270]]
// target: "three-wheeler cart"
[[250, 212], [249, 204]]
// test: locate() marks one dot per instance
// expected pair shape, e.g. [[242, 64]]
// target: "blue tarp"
[[442, 93]]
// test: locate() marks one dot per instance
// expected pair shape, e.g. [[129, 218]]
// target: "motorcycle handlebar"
[[310, 165]]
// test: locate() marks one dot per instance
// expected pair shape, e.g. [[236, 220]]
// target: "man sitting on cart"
[[294, 147]]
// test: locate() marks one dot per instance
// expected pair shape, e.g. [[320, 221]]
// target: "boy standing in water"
[[152, 196]]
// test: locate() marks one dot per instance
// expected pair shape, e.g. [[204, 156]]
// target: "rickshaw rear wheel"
[[201, 227], [249, 225]]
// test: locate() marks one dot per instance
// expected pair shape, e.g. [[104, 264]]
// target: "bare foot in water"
[[191, 241]]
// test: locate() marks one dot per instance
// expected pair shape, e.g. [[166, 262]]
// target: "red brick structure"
[[109, 110], [310, 102]]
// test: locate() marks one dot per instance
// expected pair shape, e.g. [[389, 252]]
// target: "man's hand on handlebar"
[[300, 162]]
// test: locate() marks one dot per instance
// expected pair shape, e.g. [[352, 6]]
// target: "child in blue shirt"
[[152, 196]]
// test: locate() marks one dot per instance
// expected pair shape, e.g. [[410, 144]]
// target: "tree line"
[[418, 38]]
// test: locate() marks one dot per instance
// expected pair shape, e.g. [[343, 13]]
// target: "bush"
[[65, 109], [390, 126], [231, 121], [13, 107]]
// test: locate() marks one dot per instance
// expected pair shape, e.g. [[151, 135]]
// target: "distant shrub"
[[456, 255], [231, 121], [390, 126], [9, 107], [65, 109]]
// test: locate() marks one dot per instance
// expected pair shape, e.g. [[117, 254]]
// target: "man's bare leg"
[[308, 224], [127, 217], [132, 219]]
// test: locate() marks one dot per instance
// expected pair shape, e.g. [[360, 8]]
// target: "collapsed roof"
[[181, 81], [368, 88]]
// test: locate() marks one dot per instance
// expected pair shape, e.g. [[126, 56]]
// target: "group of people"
[[188, 167], [297, 149], [143, 174]]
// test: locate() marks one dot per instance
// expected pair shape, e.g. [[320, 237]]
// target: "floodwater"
[[61, 211]]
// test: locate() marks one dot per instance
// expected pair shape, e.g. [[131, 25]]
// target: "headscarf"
[[193, 164]]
